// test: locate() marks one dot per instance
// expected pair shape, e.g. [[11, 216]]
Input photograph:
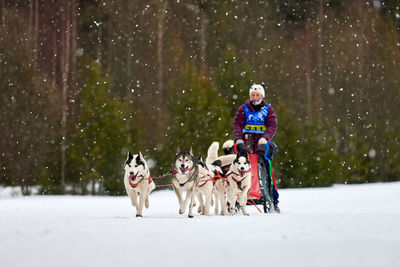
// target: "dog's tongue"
[[183, 170], [132, 177]]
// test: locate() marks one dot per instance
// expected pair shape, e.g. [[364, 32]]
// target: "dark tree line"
[[84, 81]]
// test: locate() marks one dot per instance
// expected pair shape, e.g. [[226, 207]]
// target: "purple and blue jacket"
[[239, 122]]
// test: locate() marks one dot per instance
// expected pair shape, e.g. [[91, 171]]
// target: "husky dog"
[[238, 182], [137, 181], [216, 165], [185, 177], [205, 186]]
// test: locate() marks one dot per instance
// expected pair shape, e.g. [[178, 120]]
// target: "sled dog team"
[[204, 180]]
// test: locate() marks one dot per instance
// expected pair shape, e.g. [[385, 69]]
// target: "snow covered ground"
[[344, 225]]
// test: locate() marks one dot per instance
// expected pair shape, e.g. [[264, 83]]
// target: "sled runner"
[[260, 192]]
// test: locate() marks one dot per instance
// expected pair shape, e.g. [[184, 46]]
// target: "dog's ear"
[[191, 152], [236, 159], [129, 158], [178, 150], [141, 157]]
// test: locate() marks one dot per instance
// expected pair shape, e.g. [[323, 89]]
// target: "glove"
[[262, 141], [239, 141], [240, 145]]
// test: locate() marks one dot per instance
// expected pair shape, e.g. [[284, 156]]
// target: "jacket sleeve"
[[271, 124], [238, 123]]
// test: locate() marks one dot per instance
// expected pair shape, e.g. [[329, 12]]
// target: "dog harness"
[[175, 172], [134, 185], [255, 121], [238, 182]]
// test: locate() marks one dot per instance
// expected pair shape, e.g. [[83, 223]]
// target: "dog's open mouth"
[[184, 170], [132, 177]]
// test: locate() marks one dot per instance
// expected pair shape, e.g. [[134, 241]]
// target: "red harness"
[[135, 185], [238, 182]]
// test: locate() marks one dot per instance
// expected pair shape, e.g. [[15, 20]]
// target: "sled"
[[262, 178]]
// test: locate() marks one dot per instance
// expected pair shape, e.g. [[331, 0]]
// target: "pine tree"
[[100, 138]]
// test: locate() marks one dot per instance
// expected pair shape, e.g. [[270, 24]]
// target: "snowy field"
[[344, 225]]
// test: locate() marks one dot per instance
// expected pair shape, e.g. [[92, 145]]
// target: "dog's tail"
[[212, 153], [227, 159]]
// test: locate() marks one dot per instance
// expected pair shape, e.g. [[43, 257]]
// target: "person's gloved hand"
[[262, 141], [240, 145], [239, 141]]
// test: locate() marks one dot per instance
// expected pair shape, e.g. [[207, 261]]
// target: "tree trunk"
[[65, 72], [74, 13], [307, 61], [203, 42], [160, 60], [36, 35], [361, 52], [30, 30], [109, 46], [54, 60], [320, 50], [1, 14]]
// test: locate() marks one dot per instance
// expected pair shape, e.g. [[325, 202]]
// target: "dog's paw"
[[181, 211], [190, 216], [139, 215]]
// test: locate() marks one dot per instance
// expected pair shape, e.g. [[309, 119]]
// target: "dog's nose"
[[183, 166], [131, 173], [241, 168]]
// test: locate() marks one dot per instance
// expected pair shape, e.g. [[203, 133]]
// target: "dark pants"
[[275, 194]]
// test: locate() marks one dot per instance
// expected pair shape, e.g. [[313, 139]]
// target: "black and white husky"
[[238, 182], [137, 181], [216, 164], [185, 177], [207, 180]]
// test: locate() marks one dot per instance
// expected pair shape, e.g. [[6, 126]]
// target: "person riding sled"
[[255, 122]]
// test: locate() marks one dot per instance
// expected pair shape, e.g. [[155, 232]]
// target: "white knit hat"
[[257, 88]]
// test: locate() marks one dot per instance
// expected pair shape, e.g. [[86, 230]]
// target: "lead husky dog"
[[238, 182], [185, 177], [137, 181]]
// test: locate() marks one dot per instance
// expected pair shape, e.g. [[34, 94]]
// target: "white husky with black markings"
[[215, 163], [185, 177], [238, 182], [207, 173], [137, 181]]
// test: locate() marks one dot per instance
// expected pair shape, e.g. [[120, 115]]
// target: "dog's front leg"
[[201, 205], [179, 196], [133, 196], [243, 200], [142, 197], [191, 195], [232, 200], [222, 202], [208, 193]]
